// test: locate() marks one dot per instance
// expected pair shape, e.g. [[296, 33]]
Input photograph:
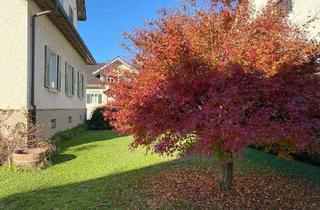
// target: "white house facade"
[[299, 12], [43, 65], [99, 78]]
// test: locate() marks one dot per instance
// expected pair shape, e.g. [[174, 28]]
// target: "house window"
[[88, 99], [53, 123], [71, 14], [110, 79], [99, 98], [80, 85], [70, 80], [94, 98], [52, 76], [285, 5], [70, 119]]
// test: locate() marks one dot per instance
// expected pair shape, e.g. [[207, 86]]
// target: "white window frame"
[[110, 79], [94, 98]]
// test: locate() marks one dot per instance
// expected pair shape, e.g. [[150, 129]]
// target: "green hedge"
[[303, 156], [97, 121], [68, 134]]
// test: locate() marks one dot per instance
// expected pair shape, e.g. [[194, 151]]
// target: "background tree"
[[216, 78]]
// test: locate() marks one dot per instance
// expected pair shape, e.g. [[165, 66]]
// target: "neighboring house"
[[45, 77], [299, 12], [99, 78]]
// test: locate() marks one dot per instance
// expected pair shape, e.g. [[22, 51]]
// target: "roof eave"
[[97, 72], [60, 18]]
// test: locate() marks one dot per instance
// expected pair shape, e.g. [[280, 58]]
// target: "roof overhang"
[[97, 73], [60, 18], [81, 10]]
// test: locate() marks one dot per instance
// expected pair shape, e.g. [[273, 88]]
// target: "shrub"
[[312, 159], [68, 134], [98, 122], [16, 136], [307, 156]]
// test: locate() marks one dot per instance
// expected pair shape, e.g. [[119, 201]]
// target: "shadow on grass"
[[110, 192], [63, 158], [117, 191], [265, 163], [85, 139], [88, 137]]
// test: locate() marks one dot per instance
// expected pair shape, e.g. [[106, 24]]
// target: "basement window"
[[53, 124], [70, 119]]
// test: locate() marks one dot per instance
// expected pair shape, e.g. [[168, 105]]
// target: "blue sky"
[[108, 19]]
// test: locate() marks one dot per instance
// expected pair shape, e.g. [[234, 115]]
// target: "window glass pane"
[[89, 101], [53, 71], [95, 98], [53, 123], [100, 99]]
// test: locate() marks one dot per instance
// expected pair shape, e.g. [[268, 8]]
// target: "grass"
[[97, 171]]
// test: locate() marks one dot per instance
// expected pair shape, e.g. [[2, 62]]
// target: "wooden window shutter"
[[73, 82], [59, 72], [46, 67], [66, 78], [82, 85], [78, 84]]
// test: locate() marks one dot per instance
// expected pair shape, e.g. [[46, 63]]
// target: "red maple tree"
[[216, 78]]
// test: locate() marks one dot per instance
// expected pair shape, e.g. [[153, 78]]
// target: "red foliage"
[[223, 76]]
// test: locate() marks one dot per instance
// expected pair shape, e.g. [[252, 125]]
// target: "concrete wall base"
[[63, 118]]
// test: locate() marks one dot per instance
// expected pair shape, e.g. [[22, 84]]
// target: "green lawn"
[[97, 170]]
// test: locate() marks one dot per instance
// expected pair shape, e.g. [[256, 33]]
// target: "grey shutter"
[[78, 84], [82, 85], [73, 82], [59, 72], [46, 67], [288, 6], [66, 78]]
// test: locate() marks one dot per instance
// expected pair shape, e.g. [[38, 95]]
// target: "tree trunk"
[[226, 174]]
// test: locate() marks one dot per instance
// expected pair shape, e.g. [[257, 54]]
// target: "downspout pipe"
[[33, 112]]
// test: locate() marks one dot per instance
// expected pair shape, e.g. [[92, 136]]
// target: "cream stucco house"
[[299, 12], [43, 62], [99, 78]]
